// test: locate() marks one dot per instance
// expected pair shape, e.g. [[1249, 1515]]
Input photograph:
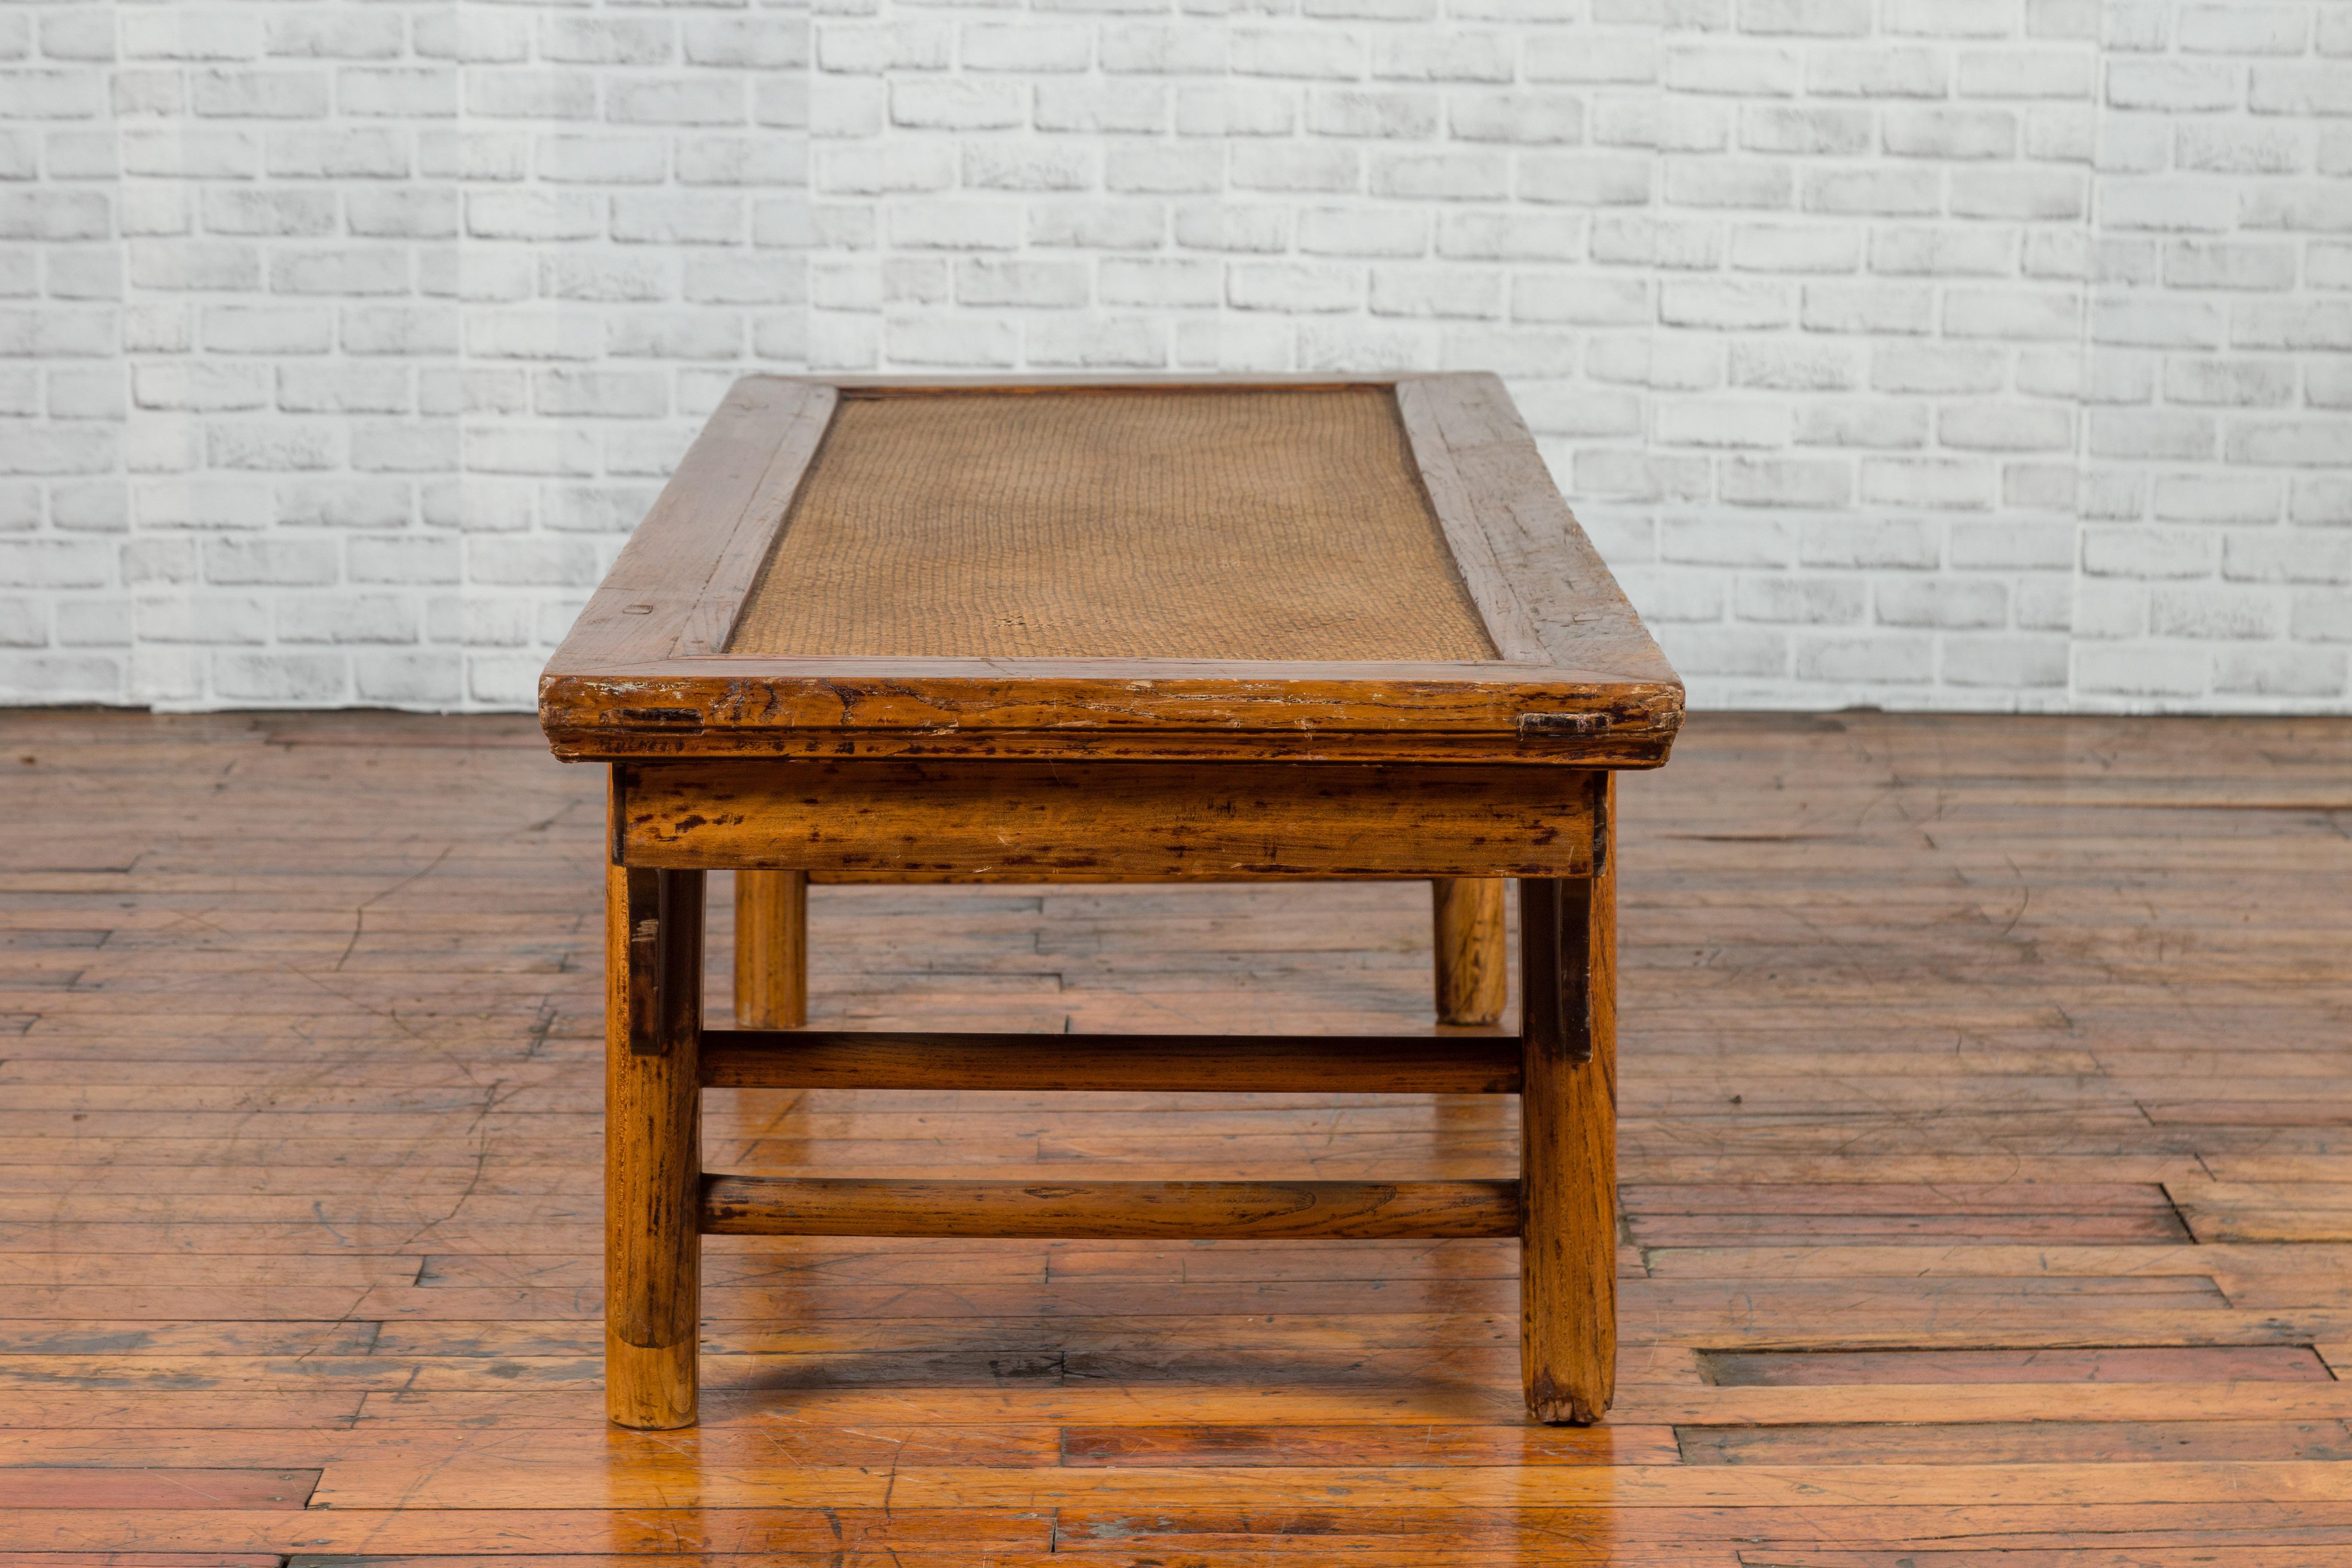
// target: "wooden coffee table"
[[1205, 630]]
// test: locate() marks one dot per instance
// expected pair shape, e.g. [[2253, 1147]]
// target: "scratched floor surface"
[[1987, 1184]]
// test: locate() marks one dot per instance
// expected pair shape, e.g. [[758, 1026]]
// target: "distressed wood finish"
[[690, 555], [1921, 1088], [1155, 1063], [1188, 1211], [1135, 712], [643, 674], [653, 1144], [745, 545], [1567, 1162], [1114, 819], [772, 949], [968, 753], [1472, 964]]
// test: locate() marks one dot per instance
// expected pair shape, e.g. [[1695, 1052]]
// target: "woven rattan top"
[[1160, 524]]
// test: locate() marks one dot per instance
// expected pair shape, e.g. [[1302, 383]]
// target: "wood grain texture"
[[78, 1487], [299, 1170], [735, 570], [1110, 818], [1472, 957], [1162, 1064], [706, 531], [1463, 512], [2020, 1442], [1465, 427], [651, 1145], [986, 878], [823, 1205], [2123, 1363], [642, 674], [1162, 710], [1568, 1162], [772, 949]]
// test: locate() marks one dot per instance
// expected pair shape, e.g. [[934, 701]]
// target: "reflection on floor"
[[1988, 1183]]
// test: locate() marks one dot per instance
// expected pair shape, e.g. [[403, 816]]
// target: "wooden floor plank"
[[91, 1488], [2128, 1363], [2075, 1557], [1984, 1138], [2017, 1442], [646, 1484], [139, 1559]]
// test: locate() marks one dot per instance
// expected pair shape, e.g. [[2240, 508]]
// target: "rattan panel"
[[1243, 524]]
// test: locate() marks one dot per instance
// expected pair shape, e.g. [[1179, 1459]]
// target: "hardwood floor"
[[1987, 1161]]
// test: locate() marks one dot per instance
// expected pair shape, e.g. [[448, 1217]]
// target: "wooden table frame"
[[1578, 682], [1117, 769], [1562, 1065]]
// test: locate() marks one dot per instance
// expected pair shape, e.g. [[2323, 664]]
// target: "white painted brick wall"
[[2217, 485], [1971, 353], [342, 343]]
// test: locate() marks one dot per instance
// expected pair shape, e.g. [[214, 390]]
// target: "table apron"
[[1175, 822]]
